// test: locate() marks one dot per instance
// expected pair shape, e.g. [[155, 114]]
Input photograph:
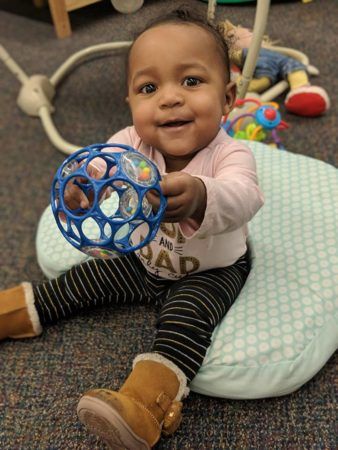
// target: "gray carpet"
[[41, 379]]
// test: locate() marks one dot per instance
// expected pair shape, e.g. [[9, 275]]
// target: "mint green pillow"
[[283, 327]]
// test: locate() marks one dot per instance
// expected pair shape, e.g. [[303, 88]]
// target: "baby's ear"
[[127, 99], [230, 97]]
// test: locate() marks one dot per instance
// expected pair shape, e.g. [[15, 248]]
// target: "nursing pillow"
[[283, 327]]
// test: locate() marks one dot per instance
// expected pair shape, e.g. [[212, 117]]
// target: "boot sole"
[[106, 423]]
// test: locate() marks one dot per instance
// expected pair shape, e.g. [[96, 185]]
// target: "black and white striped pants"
[[190, 308]]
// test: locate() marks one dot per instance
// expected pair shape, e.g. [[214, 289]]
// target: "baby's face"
[[177, 90]]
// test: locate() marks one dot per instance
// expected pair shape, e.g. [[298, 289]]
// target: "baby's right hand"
[[75, 197]]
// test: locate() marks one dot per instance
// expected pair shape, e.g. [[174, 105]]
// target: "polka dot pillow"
[[283, 327]]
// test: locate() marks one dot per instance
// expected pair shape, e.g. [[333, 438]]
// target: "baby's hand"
[[186, 197], [75, 197]]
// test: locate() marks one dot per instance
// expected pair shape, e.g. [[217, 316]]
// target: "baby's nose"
[[171, 96]]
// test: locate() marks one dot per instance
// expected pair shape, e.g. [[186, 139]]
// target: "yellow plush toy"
[[273, 65]]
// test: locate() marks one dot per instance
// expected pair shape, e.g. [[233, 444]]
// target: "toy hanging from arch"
[[266, 118]]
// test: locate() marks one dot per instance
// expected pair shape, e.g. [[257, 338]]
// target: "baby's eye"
[[148, 88], [191, 81]]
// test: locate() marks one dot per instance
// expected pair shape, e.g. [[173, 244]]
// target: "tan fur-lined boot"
[[18, 316], [147, 404]]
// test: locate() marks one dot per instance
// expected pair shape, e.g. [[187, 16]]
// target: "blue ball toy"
[[116, 198]]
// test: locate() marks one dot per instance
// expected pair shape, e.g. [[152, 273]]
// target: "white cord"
[[12, 65], [35, 95], [53, 134], [69, 64]]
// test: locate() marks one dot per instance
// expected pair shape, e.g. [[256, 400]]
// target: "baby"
[[178, 90]]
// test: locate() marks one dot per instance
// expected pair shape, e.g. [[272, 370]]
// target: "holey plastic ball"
[[114, 184]]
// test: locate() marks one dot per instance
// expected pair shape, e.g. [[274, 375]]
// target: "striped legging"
[[190, 308]]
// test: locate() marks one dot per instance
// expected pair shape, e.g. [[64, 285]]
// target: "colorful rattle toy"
[[116, 198], [266, 118]]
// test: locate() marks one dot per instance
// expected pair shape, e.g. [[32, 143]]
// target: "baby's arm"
[[233, 194]]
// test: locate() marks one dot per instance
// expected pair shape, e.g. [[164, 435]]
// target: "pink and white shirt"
[[228, 171]]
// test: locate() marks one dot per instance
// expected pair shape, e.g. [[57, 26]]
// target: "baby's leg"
[[193, 307], [24, 309], [149, 402]]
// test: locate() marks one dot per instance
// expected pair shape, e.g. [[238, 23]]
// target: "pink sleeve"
[[127, 136], [233, 194]]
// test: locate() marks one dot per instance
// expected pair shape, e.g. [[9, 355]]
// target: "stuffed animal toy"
[[303, 98]]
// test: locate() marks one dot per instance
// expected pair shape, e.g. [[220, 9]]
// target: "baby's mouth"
[[175, 123]]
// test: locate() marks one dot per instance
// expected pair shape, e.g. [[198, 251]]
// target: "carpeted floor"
[[41, 379]]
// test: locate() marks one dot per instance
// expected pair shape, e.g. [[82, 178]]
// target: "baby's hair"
[[184, 16]]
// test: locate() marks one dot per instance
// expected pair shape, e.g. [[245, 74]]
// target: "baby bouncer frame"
[[37, 91]]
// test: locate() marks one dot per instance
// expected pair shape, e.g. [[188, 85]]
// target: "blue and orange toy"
[[266, 118]]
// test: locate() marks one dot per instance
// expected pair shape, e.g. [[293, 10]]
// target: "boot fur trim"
[[183, 390], [33, 315]]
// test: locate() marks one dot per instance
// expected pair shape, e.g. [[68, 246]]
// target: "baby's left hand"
[[186, 197]]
